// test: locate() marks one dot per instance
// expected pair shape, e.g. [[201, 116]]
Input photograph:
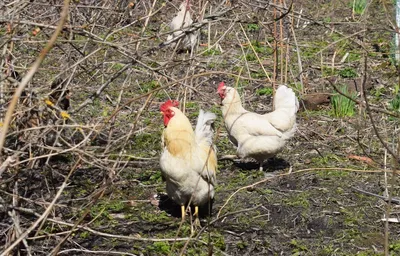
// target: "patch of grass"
[[328, 71], [218, 241], [395, 247], [394, 104], [327, 19], [260, 48], [298, 248], [299, 199], [149, 86], [348, 73], [342, 106], [325, 160], [332, 174], [298, 87], [359, 6], [192, 105], [259, 74], [353, 57], [265, 91], [253, 27], [351, 218], [251, 57], [159, 217], [378, 92], [162, 248], [241, 245], [211, 52]]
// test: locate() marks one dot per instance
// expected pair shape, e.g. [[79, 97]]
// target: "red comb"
[[169, 103], [222, 84]]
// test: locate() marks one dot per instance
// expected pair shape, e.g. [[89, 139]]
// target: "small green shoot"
[[343, 106], [211, 52], [264, 91], [252, 27], [394, 104], [359, 6], [348, 73]]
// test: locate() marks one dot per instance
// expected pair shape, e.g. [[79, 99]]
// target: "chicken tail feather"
[[285, 98], [204, 128]]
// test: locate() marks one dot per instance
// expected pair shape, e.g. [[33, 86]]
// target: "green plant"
[[298, 247], [160, 248], [252, 27], [395, 247], [265, 91], [343, 106], [394, 104], [251, 57], [211, 52], [359, 6], [348, 73]]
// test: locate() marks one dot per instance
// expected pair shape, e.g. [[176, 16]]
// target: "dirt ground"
[[85, 177]]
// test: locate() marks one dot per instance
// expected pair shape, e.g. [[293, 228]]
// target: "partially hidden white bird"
[[182, 20], [259, 136]]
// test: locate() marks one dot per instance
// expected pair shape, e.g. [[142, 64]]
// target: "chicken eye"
[[171, 113]]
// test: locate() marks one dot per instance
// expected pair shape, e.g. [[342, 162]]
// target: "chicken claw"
[[196, 225]]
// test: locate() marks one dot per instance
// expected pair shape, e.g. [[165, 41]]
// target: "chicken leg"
[[183, 212], [196, 216]]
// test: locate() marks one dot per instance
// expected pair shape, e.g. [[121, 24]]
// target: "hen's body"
[[188, 161], [182, 20], [255, 135]]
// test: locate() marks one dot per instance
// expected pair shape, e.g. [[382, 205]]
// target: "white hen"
[[255, 135], [182, 20]]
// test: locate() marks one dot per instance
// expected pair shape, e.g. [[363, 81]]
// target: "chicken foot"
[[183, 212], [196, 223]]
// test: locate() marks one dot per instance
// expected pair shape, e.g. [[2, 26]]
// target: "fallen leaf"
[[364, 159]]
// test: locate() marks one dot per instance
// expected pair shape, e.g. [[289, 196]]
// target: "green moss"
[[149, 86], [395, 248], [394, 104], [242, 245], [250, 57], [253, 27], [299, 199], [211, 52], [84, 235], [298, 248], [158, 248], [348, 73], [265, 91], [158, 217]]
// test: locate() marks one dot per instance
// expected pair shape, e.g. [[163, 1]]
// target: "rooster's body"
[[259, 136], [188, 161]]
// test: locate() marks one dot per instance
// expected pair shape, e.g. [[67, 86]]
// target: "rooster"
[[182, 19], [259, 136], [188, 161]]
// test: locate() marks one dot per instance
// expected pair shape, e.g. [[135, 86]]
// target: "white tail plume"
[[204, 130], [285, 98]]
